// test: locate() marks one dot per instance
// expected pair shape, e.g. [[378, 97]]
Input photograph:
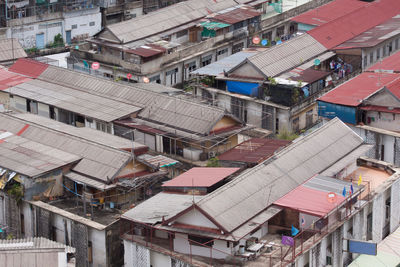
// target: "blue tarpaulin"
[[250, 89]]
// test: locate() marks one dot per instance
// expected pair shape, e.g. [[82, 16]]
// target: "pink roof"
[[309, 200], [391, 63], [352, 92], [329, 12], [9, 79], [28, 67], [200, 177], [354, 23], [381, 109]]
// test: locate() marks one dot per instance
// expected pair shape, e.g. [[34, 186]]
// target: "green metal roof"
[[213, 25]]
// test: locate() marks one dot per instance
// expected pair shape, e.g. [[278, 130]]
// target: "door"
[[68, 37], [40, 41]]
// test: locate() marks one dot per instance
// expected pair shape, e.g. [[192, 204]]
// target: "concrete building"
[[11, 50], [35, 24], [69, 184], [37, 251], [248, 228], [177, 126]]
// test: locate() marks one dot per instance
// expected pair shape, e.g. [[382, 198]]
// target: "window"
[[387, 211], [371, 57], [365, 61], [155, 79], [382, 152], [280, 31], [181, 33], [227, 244], [390, 47], [396, 44], [206, 60], [237, 47], [277, 126], [52, 113], [171, 76], [92, 23], [222, 51], [22, 224], [378, 53], [74, 26], [384, 51], [369, 226], [309, 118]]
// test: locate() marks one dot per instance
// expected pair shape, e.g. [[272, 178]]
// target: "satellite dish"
[[317, 62], [279, 42], [256, 40], [331, 197], [264, 42]]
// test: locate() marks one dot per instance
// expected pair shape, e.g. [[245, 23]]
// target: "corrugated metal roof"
[[93, 106], [312, 196], [254, 150], [389, 64], [33, 243], [89, 134], [381, 109], [352, 24], [99, 161], [163, 109], [162, 205], [31, 158], [287, 55], [253, 191], [11, 49], [9, 79], [201, 177], [28, 67], [147, 50], [374, 36], [157, 161], [354, 91], [167, 18], [237, 14], [225, 64], [328, 12], [81, 179], [347, 160]]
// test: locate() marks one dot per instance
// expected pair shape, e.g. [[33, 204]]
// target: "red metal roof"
[[381, 109], [308, 200], [28, 67], [201, 177], [9, 79], [352, 92], [237, 15], [147, 50], [391, 63], [254, 150], [329, 12], [374, 36], [354, 23]]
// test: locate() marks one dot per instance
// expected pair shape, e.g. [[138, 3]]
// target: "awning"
[[80, 179]]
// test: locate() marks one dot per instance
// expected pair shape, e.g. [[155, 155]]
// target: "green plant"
[[188, 88], [295, 95], [284, 134], [209, 80], [10, 236], [16, 191], [272, 81], [299, 83], [58, 40], [32, 50], [213, 162]]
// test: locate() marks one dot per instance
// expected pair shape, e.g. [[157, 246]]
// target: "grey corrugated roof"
[[327, 184], [31, 158], [93, 135], [250, 193], [225, 64], [287, 55], [167, 18], [97, 107], [81, 179], [159, 108], [161, 205], [6, 50], [33, 243], [98, 161]]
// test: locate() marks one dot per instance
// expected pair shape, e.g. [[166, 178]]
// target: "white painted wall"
[[384, 120], [82, 19], [18, 103], [159, 260], [194, 217], [98, 239]]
